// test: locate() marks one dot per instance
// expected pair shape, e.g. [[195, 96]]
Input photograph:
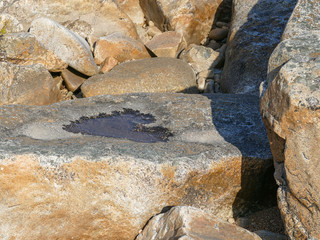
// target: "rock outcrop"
[[290, 109], [58, 184], [192, 223], [256, 29]]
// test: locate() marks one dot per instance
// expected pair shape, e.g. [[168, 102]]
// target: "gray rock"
[[74, 185], [266, 235], [256, 29]]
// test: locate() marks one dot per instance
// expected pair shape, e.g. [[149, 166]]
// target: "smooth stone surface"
[[120, 47], [66, 45], [81, 186], [266, 235], [192, 223], [24, 49], [193, 19], [29, 85], [72, 79], [256, 29], [145, 75]]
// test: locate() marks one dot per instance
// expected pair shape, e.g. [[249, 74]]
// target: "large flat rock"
[[57, 184]]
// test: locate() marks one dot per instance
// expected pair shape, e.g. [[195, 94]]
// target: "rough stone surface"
[[57, 185], [192, 223], [145, 75], [132, 9], [66, 45], [192, 18], [120, 47], [10, 23], [93, 12], [24, 49], [290, 109], [304, 19], [256, 29], [167, 44], [201, 58], [30, 85]]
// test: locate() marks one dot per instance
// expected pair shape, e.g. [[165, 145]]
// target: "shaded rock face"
[[192, 223], [290, 109], [66, 45], [256, 29], [145, 75], [192, 18], [59, 184], [30, 85], [103, 16]]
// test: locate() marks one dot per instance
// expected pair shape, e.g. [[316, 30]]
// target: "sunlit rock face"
[[290, 109], [210, 152]]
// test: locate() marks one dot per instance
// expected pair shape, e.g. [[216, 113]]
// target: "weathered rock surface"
[[290, 109], [132, 9], [66, 45], [304, 19], [9, 23], [256, 29], [24, 49], [120, 47], [30, 85], [57, 185], [167, 44], [103, 16], [192, 223], [145, 75], [201, 58], [192, 18]]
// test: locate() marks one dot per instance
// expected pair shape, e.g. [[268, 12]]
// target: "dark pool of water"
[[128, 124]]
